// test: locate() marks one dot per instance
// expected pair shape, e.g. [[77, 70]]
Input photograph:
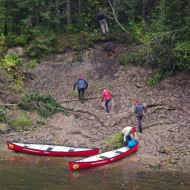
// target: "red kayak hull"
[[84, 152], [77, 165]]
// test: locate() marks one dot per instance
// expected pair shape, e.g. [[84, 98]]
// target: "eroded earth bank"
[[166, 126]]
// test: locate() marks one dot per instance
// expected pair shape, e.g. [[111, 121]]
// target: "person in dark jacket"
[[101, 18], [139, 110], [82, 85]]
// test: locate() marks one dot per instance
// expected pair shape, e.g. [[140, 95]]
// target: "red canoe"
[[51, 150], [102, 158]]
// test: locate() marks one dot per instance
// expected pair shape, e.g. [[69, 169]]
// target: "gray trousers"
[[104, 25]]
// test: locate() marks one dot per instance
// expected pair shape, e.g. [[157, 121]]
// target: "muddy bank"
[[166, 126]]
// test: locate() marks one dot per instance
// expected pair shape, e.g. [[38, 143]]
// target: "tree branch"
[[114, 14]]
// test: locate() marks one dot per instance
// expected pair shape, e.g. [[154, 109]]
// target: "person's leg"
[[140, 123], [102, 26], [79, 94], [128, 138], [106, 25], [106, 105], [82, 95]]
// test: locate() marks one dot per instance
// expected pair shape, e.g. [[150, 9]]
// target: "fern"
[[44, 105]]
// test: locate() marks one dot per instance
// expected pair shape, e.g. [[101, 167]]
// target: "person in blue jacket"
[[82, 85]]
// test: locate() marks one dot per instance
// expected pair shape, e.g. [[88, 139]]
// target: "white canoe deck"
[[105, 155], [53, 148]]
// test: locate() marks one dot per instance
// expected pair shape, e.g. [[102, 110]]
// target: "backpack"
[[132, 143]]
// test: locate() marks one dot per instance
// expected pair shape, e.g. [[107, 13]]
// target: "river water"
[[23, 171]]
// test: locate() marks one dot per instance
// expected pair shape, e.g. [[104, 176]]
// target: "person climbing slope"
[[139, 110], [106, 96], [101, 18], [82, 85]]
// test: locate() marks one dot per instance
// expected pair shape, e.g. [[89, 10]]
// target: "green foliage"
[[2, 39], [3, 118], [45, 105], [36, 24], [155, 78], [131, 57], [22, 122], [138, 31], [71, 29], [21, 40], [11, 64], [41, 43], [88, 15], [137, 56], [114, 141], [31, 64], [182, 53]]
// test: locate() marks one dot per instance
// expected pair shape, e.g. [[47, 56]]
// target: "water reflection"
[[21, 171]]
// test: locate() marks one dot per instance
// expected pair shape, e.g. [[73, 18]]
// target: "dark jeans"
[[106, 105], [139, 119], [81, 94], [128, 138]]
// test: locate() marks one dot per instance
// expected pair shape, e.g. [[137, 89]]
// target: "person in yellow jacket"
[[127, 132]]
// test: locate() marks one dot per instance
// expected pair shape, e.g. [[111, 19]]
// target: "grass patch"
[[114, 141], [22, 122], [3, 118]]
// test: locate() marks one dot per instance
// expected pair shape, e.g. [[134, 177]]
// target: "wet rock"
[[172, 161], [162, 150], [91, 118], [176, 157], [107, 124], [25, 133], [167, 151], [98, 126], [154, 165]]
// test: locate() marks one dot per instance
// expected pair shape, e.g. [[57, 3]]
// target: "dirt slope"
[[167, 123]]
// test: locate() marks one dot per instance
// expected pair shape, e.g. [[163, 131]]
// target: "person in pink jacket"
[[106, 96]]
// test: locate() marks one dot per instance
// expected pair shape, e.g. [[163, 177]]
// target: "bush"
[[115, 141], [41, 43], [22, 122], [2, 40], [21, 40], [45, 105], [31, 64], [182, 53], [3, 118], [11, 65], [155, 78]]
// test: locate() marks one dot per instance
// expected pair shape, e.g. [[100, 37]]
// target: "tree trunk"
[[6, 18], [79, 6], [69, 21]]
